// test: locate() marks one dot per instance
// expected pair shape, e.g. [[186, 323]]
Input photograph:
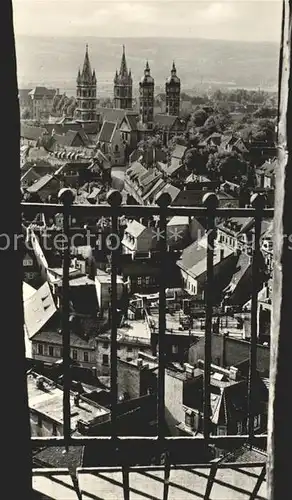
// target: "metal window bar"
[[211, 203], [258, 201], [114, 210]]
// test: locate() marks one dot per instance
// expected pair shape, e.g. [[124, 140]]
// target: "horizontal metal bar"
[[139, 210], [171, 442], [155, 468]]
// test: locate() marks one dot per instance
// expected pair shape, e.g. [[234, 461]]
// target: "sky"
[[244, 20]]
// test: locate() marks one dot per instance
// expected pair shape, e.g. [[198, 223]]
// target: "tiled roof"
[[171, 190], [134, 228], [62, 128], [242, 266], [133, 122], [178, 220], [30, 132], [154, 189], [107, 131], [55, 456], [193, 258], [114, 114], [188, 198], [53, 337], [163, 120], [179, 151], [30, 176], [43, 92], [38, 309], [136, 170], [236, 225], [69, 137], [40, 184]]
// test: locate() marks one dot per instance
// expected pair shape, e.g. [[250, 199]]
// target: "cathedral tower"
[[172, 91], [146, 92], [123, 85], [86, 93]]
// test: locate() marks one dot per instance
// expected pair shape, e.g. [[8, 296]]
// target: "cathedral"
[[86, 111]]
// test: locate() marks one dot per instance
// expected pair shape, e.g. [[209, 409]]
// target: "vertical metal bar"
[[257, 202], [258, 484], [210, 201], [280, 397], [167, 468], [66, 197], [211, 477], [163, 201], [114, 199], [126, 482]]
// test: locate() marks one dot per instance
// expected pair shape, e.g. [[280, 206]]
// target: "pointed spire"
[[173, 70], [78, 76], [147, 66], [123, 69], [86, 70]]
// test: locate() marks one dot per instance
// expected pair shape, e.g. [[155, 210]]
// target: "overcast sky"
[[246, 20]]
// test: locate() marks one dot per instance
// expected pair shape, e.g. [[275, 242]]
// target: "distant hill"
[[200, 63]]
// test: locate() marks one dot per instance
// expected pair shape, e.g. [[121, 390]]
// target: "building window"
[[85, 357], [40, 349], [174, 349], [129, 349], [74, 354], [51, 350], [257, 422], [221, 430], [105, 345], [189, 419], [239, 427], [54, 429], [39, 421], [105, 360]]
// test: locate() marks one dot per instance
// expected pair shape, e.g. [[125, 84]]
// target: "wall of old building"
[[174, 412]]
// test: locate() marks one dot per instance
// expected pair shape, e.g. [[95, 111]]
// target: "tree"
[[265, 112], [198, 118], [228, 166], [25, 114], [195, 161], [177, 139]]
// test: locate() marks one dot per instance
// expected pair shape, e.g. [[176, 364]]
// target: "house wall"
[[41, 426], [174, 412], [190, 284], [76, 353], [129, 380], [145, 241], [125, 352], [236, 351], [103, 292]]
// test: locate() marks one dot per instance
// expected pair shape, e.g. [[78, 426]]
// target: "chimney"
[[224, 336], [189, 369], [233, 373], [140, 363]]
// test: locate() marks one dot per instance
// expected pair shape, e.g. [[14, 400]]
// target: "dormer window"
[[189, 418]]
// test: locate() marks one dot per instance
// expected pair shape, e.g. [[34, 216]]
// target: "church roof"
[[164, 120], [107, 131]]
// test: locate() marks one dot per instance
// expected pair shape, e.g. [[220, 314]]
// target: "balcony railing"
[[161, 444]]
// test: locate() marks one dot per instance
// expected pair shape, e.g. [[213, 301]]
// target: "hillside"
[[200, 63]]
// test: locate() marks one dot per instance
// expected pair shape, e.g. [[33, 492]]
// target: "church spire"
[[173, 69], [123, 69], [86, 74]]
